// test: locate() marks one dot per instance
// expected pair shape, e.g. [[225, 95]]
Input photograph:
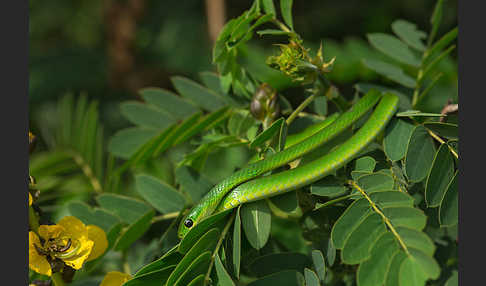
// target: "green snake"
[[218, 198]]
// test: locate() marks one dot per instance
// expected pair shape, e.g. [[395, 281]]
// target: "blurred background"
[[109, 49]]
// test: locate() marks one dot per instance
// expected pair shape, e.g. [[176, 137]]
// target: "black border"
[[471, 51], [14, 27]]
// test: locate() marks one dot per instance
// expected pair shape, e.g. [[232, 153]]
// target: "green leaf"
[[365, 164], [416, 239], [429, 67], [435, 20], [279, 142], [331, 252], [134, 231], [256, 220], [145, 115], [223, 277], [311, 278], [153, 278], [357, 246], [206, 243], [127, 209], [275, 262], [453, 280], [127, 141], [192, 182], [320, 105], [440, 45], [448, 211], [205, 123], [203, 97], [213, 221], [411, 113], [408, 33], [404, 102], [348, 221], [170, 258], [374, 270], [397, 136], [406, 216], [197, 267], [95, 216], [160, 195], [268, 7], [439, 177], [328, 187], [391, 72], [283, 278], [148, 149], [446, 130], [267, 134], [286, 10], [417, 268], [420, 155], [176, 106], [376, 182], [386, 199], [286, 202], [394, 269], [273, 32], [166, 140], [237, 243], [394, 48], [319, 264], [198, 281]]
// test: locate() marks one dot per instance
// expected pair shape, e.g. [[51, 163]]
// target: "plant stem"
[[88, 172], [165, 217], [436, 137], [378, 211], [33, 220], [328, 203], [57, 279], [301, 107], [218, 245]]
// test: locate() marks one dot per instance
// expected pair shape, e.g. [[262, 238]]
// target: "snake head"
[[195, 215]]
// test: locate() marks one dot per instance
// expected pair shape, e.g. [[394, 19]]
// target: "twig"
[[437, 137], [165, 216], [378, 211], [88, 172], [301, 107], [218, 245], [449, 108]]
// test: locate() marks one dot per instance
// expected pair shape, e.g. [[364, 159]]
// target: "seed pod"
[[264, 103]]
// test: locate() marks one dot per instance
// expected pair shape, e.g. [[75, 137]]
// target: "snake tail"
[[211, 200], [286, 181]]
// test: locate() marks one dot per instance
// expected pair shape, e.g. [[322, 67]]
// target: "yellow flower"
[[30, 199], [115, 278], [69, 241]]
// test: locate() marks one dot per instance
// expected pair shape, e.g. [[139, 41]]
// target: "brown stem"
[[215, 10]]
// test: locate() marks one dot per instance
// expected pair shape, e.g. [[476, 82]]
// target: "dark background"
[[110, 49]]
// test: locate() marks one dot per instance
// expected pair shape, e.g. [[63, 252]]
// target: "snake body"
[[295, 178], [209, 203]]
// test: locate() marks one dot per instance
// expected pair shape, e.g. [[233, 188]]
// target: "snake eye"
[[188, 222]]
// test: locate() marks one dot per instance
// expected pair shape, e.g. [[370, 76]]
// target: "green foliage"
[[388, 217]]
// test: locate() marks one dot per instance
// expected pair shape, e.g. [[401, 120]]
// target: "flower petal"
[[50, 231], [37, 262], [98, 236], [74, 227], [76, 261], [30, 199], [115, 278]]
